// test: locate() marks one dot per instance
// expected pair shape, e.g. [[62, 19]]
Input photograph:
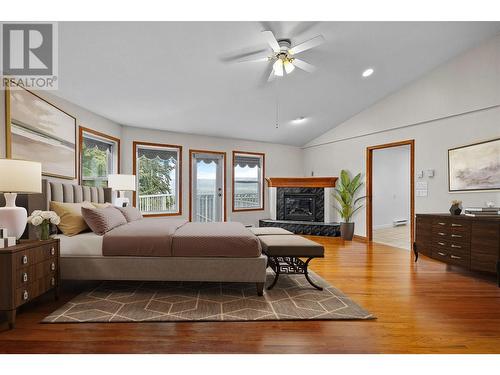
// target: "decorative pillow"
[[101, 205], [102, 220], [72, 221], [131, 213]]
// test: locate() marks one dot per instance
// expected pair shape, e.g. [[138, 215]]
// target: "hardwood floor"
[[421, 308]]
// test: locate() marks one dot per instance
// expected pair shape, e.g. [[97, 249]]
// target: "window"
[[158, 174], [248, 181], [99, 157]]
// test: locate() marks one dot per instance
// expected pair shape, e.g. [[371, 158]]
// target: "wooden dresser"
[[469, 242], [27, 271]]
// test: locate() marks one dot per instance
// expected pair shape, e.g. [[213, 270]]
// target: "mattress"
[[86, 244]]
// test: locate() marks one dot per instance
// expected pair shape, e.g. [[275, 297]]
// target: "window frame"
[[135, 146], [262, 180], [96, 134]]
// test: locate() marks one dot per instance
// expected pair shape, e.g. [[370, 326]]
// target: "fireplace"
[[300, 207]]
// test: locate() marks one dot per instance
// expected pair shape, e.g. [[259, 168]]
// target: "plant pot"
[[347, 231], [455, 209]]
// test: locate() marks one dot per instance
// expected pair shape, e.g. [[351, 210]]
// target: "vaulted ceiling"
[[175, 75]]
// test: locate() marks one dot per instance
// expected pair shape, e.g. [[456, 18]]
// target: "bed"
[[82, 256]]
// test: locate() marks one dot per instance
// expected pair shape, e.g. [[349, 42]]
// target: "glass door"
[[207, 186]]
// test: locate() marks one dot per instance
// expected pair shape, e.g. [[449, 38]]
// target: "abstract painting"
[[474, 167], [40, 131]]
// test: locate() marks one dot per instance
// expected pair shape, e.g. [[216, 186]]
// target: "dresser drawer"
[[24, 276], [24, 259], [459, 226], [23, 295], [46, 268], [459, 259], [440, 254], [440, 223], [46, 252]]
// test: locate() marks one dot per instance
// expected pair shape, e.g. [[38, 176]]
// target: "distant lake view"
[[207, 186]]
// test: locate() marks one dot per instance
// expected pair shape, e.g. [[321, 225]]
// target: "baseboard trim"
[[360, 238]]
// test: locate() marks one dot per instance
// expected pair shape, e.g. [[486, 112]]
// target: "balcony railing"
[[205, 204], [157, 203]]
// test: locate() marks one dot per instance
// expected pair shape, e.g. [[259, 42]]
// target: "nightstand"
[[27, 271]]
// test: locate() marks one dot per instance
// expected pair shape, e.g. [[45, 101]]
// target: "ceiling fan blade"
[[245, 55], [271, 40], [256, 58], [301, 64], [311, 43]]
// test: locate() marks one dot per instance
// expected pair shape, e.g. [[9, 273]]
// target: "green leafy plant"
[[345, 194]]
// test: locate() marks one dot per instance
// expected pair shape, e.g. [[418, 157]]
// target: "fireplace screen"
[[300, 207]]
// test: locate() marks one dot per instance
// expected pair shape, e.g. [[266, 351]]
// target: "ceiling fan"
[[282, 60]]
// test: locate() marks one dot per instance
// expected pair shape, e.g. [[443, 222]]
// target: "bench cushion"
[[265, 231], [290, 245]]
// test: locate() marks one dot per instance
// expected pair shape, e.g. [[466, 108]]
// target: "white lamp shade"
[[121, 182], [20, 176]]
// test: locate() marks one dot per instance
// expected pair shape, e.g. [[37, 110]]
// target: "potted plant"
[[345, 194]]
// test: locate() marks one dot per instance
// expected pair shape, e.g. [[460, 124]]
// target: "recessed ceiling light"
[[299, 120], [368, 72]]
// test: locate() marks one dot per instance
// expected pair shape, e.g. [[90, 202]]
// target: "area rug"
[[291, 299]]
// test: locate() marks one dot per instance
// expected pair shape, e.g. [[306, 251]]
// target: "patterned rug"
[[291, 299]]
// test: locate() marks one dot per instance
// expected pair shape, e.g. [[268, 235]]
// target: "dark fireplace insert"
[[300, 207]]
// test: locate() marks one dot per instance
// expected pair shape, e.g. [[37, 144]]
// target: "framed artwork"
[[38, 130], [474, 167]]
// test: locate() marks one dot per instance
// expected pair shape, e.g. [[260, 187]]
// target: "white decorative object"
[[4, 232], [43, 219], [18, 176], [121, 183], [10, 241]]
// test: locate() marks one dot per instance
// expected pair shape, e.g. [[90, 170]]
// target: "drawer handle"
[[442, 234], [442, 254], [25, 295], [456, 236], [456, 225], [442, 223], [53, 267], [25, 277], [455, 257], [53, 281], [456, 246], [25, 259], [52, 251], [441, 243]]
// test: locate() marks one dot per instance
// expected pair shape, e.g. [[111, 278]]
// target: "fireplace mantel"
[[314, 182]]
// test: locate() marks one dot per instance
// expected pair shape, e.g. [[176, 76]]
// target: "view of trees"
[[94, 166], [154, 176]]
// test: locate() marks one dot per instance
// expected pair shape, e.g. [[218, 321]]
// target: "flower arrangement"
[[456, 207], [43, 219]]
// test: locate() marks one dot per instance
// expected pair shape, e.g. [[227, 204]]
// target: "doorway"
[[390, 208], [207, 186]]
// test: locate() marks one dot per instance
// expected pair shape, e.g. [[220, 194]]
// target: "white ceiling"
[[173, 75]]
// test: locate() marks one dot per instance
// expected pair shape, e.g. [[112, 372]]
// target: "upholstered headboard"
[[70, 193]]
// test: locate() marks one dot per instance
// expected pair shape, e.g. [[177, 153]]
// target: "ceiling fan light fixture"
[[278, 68], [368, 72], [289, 67]]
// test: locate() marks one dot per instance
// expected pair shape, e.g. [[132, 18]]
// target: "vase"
[[455, 209], [347, 231], [43, 231]]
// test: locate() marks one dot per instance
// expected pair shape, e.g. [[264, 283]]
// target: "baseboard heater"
[[399, 222]]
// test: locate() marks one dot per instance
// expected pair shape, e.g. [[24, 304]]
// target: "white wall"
[[456, 104], [84, 118], [391, 185], [281, 161]]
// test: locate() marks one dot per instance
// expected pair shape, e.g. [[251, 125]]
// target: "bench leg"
[[276, 270], [306, 274], [260, 289]]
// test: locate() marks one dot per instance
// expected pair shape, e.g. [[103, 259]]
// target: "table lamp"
[[17, 176], [122, 183]]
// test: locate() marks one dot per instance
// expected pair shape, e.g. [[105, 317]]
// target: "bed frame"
[[214, 269]]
